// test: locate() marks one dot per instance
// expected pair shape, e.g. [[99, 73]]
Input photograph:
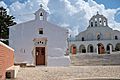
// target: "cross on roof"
[[41, 6], [97, 12]]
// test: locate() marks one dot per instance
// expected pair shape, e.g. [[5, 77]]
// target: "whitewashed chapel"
[[39, 42], [98, 38]]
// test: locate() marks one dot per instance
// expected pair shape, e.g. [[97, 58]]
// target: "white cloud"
[[3, 4], [81, 13], [74, 14], [25, 11]]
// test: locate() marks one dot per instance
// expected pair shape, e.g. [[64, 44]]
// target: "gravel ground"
[[69, 73]]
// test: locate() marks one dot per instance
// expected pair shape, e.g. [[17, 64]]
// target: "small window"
[[98, 37], [82, 38], [91, 24], [104, 23], [100, 21], [95, 19], [96, 23], [41, 16], [116, 38], [38, 42], [40, 30]]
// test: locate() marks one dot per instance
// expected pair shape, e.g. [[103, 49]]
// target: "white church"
[[39, 42], [98, 38]]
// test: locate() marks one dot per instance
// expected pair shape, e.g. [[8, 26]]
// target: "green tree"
[[5, 21]]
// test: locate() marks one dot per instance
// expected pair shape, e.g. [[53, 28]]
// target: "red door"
[[73, 50], [40, 55]]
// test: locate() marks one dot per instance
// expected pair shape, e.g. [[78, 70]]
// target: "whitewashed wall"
[[21, 39]]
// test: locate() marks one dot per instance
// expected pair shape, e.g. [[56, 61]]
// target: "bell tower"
[[41, 14], [98, 21]]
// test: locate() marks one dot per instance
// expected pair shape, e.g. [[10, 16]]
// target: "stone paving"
[[95, 59], [83, 67], [70, 73]]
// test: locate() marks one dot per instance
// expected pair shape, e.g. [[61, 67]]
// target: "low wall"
[[6, 59]]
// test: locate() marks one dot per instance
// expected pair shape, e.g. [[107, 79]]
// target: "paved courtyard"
[[70, 73], [92, 59], [83, 67]]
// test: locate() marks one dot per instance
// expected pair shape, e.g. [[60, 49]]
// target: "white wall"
[[22, 35]]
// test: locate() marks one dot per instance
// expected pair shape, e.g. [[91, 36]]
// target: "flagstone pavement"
[[70, 73], [83, 67]]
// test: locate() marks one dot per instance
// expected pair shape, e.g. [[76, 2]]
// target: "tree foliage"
[[5, 22]]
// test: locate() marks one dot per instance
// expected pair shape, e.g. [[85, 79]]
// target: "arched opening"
[[104, 23], [100, 21], [91, 24], [90, 48], [82, 49], [95, 23], [41, 16], [82, 38], [116, 37], [108, 47], [117, 47], [98, 37], [101, 49], [73, 49]]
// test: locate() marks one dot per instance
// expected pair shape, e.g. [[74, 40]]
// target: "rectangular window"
[[40, 30], [116, 38], [96, 23]]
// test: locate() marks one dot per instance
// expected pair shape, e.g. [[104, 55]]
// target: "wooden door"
[[40, 55], [73, 50]]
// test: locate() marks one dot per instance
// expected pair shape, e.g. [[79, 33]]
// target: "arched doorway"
[[82, 49], [101, 49], [90, 48], [117, 47], [73, 49], [108, 47]]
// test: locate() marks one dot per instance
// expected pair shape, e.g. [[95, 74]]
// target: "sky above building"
[[72, 14]]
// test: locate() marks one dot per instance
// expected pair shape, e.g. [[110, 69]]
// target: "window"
[[41, 16], [82, 38], [40, 30], [91, 24], [116, 38], [38, 42], [98, 37], [95, 19], [96, 23], [100, 21], [104, 23]]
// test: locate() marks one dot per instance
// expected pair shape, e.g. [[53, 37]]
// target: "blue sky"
[[72, 14], [109, 3]]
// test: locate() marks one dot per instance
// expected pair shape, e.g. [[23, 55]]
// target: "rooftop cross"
[[97, 12], [41, 6]]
